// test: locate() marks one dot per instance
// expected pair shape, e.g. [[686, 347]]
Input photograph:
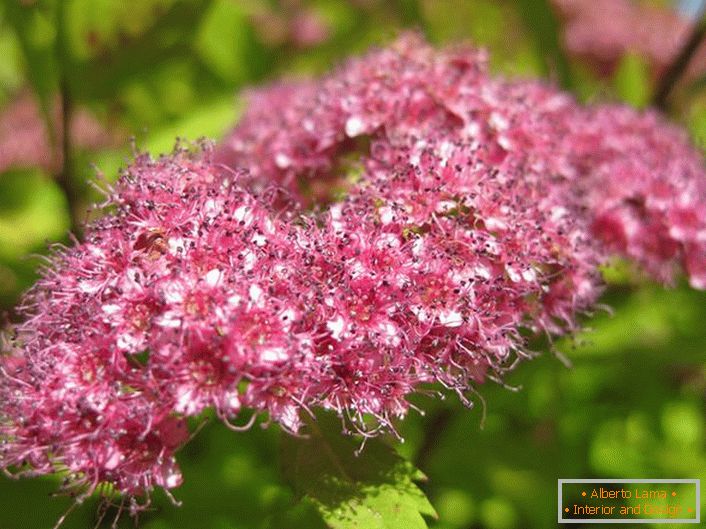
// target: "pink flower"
[[470, 218], [290, 23], [640, 179]]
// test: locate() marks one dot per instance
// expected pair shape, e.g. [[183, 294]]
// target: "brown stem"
[[432, 432], [64, 178], [678, 66]]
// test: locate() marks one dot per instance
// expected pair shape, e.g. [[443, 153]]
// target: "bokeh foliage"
[[632, 405]]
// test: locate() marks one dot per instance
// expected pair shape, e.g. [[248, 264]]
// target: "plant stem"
[[433, 429], [678, 67], [64, 178]]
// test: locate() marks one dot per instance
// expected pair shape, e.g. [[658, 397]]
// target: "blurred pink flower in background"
[[290, 22], [25, 141]]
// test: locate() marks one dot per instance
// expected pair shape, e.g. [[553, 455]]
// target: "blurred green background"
[[632, 406]]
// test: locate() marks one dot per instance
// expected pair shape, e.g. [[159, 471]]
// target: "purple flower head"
[[470, 217]]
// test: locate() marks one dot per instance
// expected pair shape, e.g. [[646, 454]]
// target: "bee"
[[152, 242]]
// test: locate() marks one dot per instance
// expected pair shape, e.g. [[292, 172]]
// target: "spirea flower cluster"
[[476, 211]]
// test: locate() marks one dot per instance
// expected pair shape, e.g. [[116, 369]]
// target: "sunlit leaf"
[[34, 24], [225, 41], [210, 121], [632, 80], [169, 37], [373, 490], [541, 20], [32, 211]]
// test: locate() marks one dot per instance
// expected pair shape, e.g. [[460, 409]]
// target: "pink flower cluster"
[[638, 177], [471, 209]]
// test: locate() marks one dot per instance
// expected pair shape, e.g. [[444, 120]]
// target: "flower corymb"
[[407, 219]]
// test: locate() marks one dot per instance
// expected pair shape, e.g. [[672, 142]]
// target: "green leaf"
[[541, 21], [11, 74], [373, 490], [32, 211], [167, 39], [412, 14], [632, 80], [695, 87], [225, 42], [34, 25], [211, 120]]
